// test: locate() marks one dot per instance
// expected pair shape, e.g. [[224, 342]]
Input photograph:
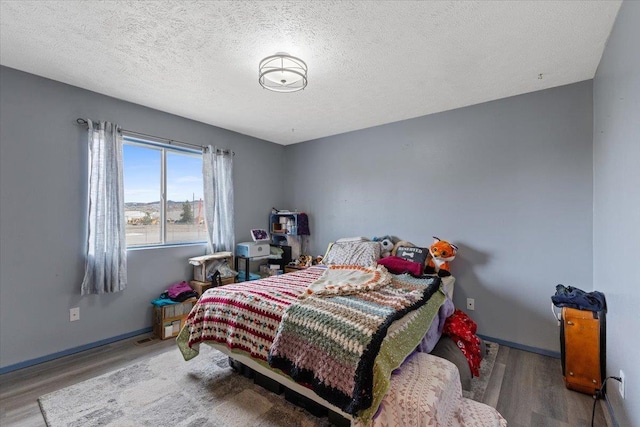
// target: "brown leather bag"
[[583, 349]]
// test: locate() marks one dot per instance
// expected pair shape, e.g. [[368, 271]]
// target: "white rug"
[[167, 391]]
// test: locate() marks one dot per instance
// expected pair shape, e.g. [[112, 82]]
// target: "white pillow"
[[361, 253], [352, 239]]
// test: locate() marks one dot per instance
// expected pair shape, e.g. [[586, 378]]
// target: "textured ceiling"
[[370, 62]]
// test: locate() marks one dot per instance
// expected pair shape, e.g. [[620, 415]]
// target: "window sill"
[[165, 246]]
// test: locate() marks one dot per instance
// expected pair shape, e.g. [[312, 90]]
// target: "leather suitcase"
[[583, 349]]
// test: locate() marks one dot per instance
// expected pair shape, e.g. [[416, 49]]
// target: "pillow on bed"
[[397, 265], [365, 254], [412, 253], [352, 239]]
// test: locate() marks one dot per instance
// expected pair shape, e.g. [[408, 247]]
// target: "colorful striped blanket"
[[331, 342], [244, 316]]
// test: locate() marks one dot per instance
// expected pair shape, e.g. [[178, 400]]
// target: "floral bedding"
[[363, 253]]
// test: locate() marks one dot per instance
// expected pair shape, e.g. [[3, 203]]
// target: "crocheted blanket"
[[331, 343], [347, 280], [244, 316]]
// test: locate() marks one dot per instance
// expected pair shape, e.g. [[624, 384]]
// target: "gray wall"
[[509, 181], [43, 169], [616, 205]]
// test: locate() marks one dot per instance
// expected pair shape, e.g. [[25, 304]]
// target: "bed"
[[320, 335]]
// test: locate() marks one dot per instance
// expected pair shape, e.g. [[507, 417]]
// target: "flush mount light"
[[283, 73]]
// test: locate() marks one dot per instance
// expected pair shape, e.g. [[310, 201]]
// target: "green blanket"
[[331, 343]]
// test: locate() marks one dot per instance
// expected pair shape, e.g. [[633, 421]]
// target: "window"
[[162, 194]]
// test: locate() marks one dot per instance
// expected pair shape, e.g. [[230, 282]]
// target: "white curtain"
[[217, 171], [106, 263]]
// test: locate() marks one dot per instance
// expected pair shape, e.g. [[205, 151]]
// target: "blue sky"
[[142, 175]]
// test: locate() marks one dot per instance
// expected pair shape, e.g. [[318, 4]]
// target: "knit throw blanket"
[[331, 342], [245, 316], [347, 280]]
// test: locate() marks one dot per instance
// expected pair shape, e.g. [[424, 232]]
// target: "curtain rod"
[[84, 122]]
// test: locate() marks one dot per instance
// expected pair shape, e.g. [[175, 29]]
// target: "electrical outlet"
[[74, 314], [621, 384], [471, 304]]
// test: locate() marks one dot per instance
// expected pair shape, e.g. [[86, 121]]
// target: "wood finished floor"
[[526, 388]]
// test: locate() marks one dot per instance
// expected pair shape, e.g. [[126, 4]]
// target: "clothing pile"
[[176, 293], [568, 296], [219, 269], [461, 329]]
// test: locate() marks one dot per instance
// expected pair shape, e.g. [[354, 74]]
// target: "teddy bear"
[[306, 260], [386, 244], [442, 252]]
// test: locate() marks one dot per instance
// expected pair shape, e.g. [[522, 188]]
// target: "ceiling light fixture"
[[283, 73]]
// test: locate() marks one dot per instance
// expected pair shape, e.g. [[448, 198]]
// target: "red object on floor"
[[460, 328]]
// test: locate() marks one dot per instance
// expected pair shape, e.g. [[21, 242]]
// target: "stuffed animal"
[[404, 243], [442, 252], [306, 260], [386, 243], [303, 261]]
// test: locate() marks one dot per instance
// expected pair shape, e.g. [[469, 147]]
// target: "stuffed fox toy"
[[442, 252]]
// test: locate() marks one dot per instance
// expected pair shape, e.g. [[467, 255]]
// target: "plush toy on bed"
[[442, 252], [306, 260], [386, 243], [303, 261]]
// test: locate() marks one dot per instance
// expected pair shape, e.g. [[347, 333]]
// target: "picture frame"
[[260, 235]]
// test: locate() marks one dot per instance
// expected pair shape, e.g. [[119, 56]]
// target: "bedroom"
[[537, 189]]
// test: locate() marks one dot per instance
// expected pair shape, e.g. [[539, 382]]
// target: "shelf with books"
[[169, 319]]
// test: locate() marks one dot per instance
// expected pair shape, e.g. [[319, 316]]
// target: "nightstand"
[[169, 319]]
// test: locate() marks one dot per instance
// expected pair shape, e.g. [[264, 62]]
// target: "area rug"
[[479, 384], [167, 391]]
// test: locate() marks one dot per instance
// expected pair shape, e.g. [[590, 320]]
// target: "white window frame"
[[163, 148]]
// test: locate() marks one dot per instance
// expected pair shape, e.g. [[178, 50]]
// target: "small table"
[[247, 260], [246, 265]]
